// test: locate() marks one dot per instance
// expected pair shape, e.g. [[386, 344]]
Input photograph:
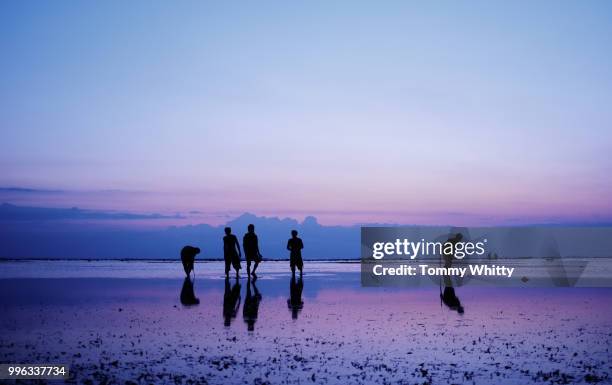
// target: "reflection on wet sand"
[[448, 296], [451, 300], [231, 301], [295, 302], [188, 297], [511, 335], [251, 305]]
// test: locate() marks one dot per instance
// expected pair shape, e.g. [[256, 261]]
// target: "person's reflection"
[[451, 300], [251, 305], [231, 301], [448, 296], [188, 297], [295, 303]]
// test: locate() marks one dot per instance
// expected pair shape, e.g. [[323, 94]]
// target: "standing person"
[[231, 252], [250, 244], [295, 246]]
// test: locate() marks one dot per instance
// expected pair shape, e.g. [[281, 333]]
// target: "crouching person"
[[188, 254]]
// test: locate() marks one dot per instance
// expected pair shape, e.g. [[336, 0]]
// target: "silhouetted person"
[[231, 251], [188, 254], [250, 244], [451, 300], [295, 246], [251, 305], [448, 257], [188, 297], [231, 301], [295, 303]]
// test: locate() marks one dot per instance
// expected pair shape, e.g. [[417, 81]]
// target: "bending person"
[[188, 254]]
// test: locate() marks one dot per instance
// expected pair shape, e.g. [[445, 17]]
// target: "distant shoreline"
[[165, 260], [336, 260]]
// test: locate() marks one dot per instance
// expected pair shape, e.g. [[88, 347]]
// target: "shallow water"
[[150, 268], [110, 327]]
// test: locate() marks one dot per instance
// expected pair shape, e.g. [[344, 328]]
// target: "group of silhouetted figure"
[[232, 256], [250, 243]]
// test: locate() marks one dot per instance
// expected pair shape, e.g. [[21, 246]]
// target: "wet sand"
[[135, 330]]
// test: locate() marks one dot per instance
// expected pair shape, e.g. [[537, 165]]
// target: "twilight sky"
[[407, 112]]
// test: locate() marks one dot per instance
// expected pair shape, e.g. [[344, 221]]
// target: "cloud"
[[23, 190], [9, 212], [45, 237]]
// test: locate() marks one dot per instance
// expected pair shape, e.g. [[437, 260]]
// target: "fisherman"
[[250, 244], [188, 254], [231, 252], [295, 246]]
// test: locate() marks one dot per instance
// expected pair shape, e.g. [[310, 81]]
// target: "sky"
[[356, 112]]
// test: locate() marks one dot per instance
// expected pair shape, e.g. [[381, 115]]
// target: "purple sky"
[[447, 113]]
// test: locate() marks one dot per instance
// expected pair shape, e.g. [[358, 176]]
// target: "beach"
[[138, 323]]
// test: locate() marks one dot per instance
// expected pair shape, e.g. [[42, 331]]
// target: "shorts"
[[252, 258], [232, 260], [296, 261]]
